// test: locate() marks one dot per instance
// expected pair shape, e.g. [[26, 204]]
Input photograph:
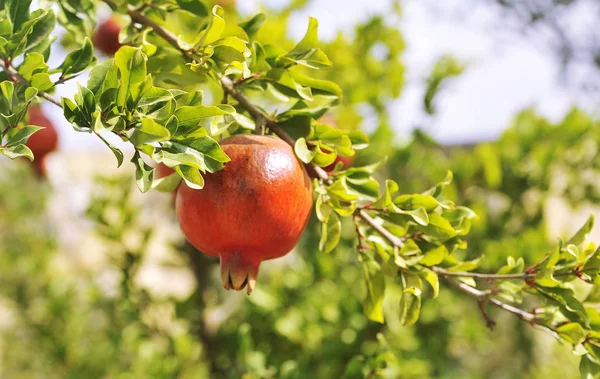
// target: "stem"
[[137, 16], [62, 79], [442, 271], [261, 117], [483, 296], [396, 241]]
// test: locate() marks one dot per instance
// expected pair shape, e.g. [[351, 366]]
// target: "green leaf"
[[433, 280], [34, 31], [572, 333], [78, 60], [434, 256], [468, 265], [438, 229], [149, 131], [203, 153], [23, 135], [582, 233], [302, 151], [375, 289], [32, 64], [251, 26], [41, 81], [385, 201], [512, 266], [415, 201], [569, 306], [214, 30], [306, 53], [588, 369], [190, 116], [510, 292], [98, 75], [191, 175], [195, 7], [421, 217], [7, 88], [144, 174], [116, 151], [131, 63], [17, 151], [315, 84], [168, 183], [18, 11], [331, 231], [410, 306]]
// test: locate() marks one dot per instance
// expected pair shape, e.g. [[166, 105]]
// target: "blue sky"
[[505, 72]]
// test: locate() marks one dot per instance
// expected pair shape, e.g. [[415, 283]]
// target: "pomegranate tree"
[[255, 209]]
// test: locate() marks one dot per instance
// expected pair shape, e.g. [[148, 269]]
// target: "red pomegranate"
[[39, 165], [255, 209], [163, 170], [43, 141], [106, 37], [346, 163]]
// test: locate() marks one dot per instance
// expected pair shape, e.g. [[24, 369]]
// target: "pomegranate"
[[106, 37], [255, 209], [43, 141], [39, 165], [346, 162], [163, 170]]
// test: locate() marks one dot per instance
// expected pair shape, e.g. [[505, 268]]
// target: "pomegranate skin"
[[106, 36], [163, 170], [346, 163], [45, 140], [255, 209]]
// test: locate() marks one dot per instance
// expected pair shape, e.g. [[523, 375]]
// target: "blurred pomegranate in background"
[[106, 36], [44, 141]]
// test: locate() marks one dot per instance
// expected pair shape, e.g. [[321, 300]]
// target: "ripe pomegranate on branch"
[[255, 209], [249, 176]]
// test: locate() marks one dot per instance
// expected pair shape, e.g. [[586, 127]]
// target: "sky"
[[505, 72]]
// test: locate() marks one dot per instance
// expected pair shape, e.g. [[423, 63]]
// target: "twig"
[[137, 16], [62, 79], [483, 296], [462, 274], [396, 241], [261, 117], [489, 322]]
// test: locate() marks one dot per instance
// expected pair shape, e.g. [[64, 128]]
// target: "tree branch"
[[396, 241], [521, 276], [261, 117], [139, 17], [483, 296]]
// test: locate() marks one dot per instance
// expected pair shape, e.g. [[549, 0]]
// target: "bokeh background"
[[96, 281]]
